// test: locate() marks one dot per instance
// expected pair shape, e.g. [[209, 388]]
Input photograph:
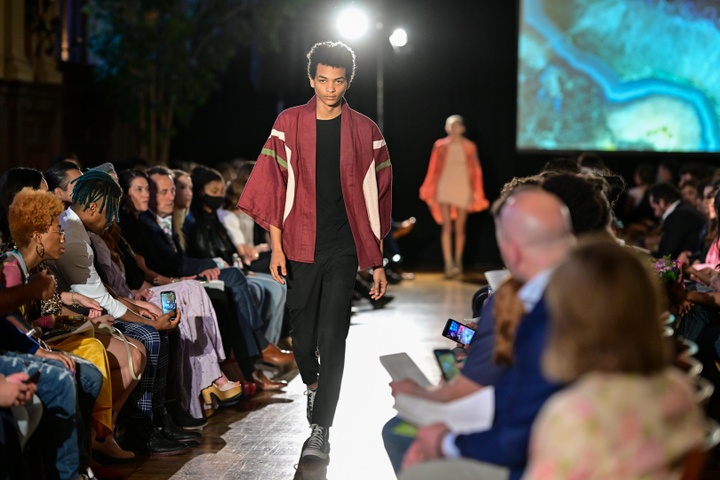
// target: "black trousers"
[[318, 301]]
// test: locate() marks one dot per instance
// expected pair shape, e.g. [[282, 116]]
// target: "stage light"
[[399, 38], [352, 23]]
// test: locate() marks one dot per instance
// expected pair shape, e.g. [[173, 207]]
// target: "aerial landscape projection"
[[619, 75]]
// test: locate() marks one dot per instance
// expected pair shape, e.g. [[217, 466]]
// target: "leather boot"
[[169, 430], [274, 356]]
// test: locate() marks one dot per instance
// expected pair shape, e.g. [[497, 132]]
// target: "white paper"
[[401, 367], [469, 414], [216, 284]]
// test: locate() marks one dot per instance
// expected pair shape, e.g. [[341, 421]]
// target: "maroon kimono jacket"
[[281, 189]]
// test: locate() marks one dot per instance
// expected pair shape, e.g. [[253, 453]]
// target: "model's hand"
[[210, 273], [427, 445], [379, 283], [278, 267], [43, 285]]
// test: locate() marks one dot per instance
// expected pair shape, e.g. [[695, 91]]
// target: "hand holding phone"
[[458, 332], [447, 363], [167, 300]]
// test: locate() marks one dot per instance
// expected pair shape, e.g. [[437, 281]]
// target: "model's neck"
[[323, 112]]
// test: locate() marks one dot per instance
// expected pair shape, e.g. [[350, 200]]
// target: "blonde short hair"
[[605, 305]]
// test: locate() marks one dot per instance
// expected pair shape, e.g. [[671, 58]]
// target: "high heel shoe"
[[229, 394]]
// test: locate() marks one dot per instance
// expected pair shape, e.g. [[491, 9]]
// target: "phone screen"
[[455, 330], [448, 364], [168, 302]]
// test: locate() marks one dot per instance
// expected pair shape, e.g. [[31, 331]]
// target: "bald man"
[[534, 233]]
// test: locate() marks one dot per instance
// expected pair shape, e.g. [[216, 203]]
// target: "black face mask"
[[213, 202]]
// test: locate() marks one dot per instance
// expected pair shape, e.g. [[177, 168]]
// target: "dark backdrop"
[[461, 58]]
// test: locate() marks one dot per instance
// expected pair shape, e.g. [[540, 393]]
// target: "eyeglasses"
[[60, 232]]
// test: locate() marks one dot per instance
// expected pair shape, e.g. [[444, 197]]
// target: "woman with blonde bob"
[[628, 414]]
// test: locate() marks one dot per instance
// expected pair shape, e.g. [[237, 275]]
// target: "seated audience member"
[[534, 234], [59, 178], [681, 224], [149, 429], [637, 210], [160, 252], [668, 171], [63, 446], [207, 237], [183, 199], [16, 394], [199, 350], [34, 221], [11, 182], [706, 253], [241, 227], [627, 413]]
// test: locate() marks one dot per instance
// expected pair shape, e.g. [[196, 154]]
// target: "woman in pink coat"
[[453, 187]]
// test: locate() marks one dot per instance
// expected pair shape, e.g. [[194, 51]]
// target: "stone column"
[[14, 63]]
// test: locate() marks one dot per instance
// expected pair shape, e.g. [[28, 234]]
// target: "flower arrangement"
[[669, 270]]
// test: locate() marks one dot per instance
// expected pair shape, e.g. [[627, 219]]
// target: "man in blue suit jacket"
[[534, 233]]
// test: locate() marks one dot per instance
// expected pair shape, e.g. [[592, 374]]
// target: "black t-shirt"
[[333, 227]]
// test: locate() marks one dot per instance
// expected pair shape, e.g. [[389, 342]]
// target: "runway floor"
[[261, 438]]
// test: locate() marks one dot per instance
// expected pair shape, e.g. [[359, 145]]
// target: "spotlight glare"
[[352, 23], [399, 38]]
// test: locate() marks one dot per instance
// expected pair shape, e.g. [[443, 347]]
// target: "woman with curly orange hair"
[[34, 224]]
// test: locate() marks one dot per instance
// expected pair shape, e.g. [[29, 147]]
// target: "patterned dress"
[[617, 426]]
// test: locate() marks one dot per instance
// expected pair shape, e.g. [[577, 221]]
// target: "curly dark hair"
[[332, 54], [589, 209]]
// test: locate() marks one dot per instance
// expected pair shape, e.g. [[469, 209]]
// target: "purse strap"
[[118, 335]]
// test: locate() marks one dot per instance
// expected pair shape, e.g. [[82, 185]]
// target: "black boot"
[[169, 430], [183, 419], [144, 439]]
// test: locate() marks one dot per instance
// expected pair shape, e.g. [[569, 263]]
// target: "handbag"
[[118, 335]]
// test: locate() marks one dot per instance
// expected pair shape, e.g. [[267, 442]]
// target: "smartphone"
[[457, 331], [167, 299], [448, 364], [34, 377]]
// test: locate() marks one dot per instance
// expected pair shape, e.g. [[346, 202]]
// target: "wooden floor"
[[261, 438]]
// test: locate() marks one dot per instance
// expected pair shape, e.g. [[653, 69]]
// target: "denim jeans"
[[66, 409]]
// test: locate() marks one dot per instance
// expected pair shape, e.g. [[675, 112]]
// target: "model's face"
[[456, 129], [53, 241], [184, 194], [164, 198], [138, 195], [330, 85]]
